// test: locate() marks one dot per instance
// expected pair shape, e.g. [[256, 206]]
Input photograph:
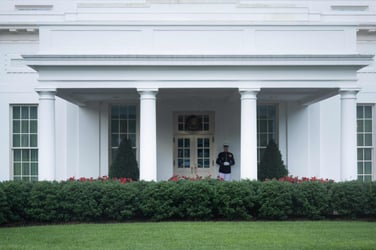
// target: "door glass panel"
[[203, 152], [184, 153]]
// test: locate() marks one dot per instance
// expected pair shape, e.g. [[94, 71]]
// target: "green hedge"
[[93, 201]]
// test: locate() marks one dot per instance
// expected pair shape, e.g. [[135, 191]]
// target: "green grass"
[[194, 235]]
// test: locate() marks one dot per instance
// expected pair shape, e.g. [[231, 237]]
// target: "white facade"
[[301, 72]]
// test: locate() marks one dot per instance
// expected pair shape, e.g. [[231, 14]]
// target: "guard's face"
[[225, 149]]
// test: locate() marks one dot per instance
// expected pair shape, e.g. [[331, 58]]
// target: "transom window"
[[24, 142], [365, 142], [198, 122], [123, 125], [266, 127]]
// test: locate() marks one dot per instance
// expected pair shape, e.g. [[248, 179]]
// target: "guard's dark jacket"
[[223, 157]]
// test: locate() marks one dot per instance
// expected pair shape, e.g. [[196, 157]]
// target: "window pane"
[[25, 169], [360, 154], [263, 140], [206, 152], [33, 113], [17, 168], [115, 126], [360, 140], [25, 112], [115, 112], [206, 163], [123, 112], [206, 142], [360, 126], [132, 126], [367, 168], [180, 143], [16, 112], [34, 155], [24, 140], [16, 126], [33, 140], [132, 137], [17, 155], [132, 112], [115, 140], [25, 155], [368, 140], [34, 169], [367, 154], [17, 140], [25, 126], [33, 126], [367, 112], [368, 126], [123, 126], [360, 168]]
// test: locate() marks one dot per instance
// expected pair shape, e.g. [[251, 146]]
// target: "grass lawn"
[[194, 235]]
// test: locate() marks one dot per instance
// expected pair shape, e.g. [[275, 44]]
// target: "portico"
[[238, 77]]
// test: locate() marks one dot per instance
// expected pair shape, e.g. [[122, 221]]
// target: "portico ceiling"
[[304, 96]]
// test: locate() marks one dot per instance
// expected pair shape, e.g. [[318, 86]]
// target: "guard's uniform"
[[225, 157]]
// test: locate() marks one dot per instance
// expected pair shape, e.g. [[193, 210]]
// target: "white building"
[[181, 77]]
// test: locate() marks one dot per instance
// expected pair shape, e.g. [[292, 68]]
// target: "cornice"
[[358, 60]]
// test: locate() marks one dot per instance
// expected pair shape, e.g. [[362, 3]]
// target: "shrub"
[[310, 200], [4, 208], [349, 199], [194, 200], [371, 198], [271, 165], [159, 202], [45, 202], [89, 200], [121, 202], [17, 195], [80, 201], [275, 200], [125, 164], [235, 200]]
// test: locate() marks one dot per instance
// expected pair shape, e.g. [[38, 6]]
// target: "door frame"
[[193, 170]]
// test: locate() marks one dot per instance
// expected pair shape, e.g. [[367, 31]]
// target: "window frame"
[[372, 147], [137, 132], [13, 148], [276, 136]]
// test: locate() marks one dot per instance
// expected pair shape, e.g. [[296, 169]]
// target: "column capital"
[[45, 90], [249, 90], [46, 93], [249, 93], [147, 90], [348, 92]]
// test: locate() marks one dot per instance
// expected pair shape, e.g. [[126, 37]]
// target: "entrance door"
[[193, 155]]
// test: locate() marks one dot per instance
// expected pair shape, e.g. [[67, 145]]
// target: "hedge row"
[[95, 201]]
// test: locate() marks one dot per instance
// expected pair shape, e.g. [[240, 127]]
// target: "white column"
[[248, 134], [148, 134], [348, 134], [46, 134]]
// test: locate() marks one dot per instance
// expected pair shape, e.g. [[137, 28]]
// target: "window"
[[266, 127], [365, 142], [123, 125], [24, 142], [193, 122]]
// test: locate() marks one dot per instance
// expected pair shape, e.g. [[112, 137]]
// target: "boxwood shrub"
[[107, 200]]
